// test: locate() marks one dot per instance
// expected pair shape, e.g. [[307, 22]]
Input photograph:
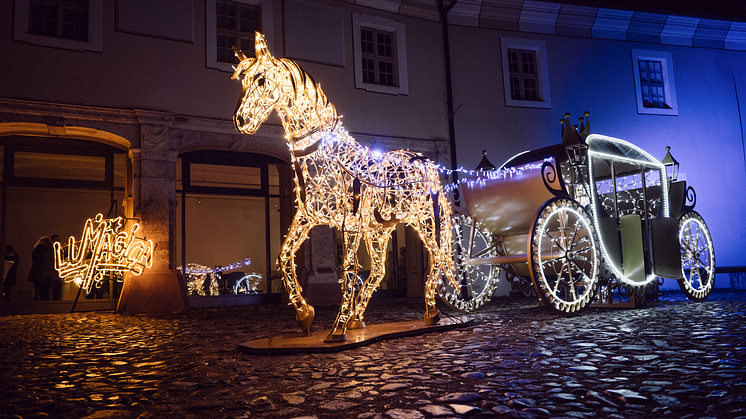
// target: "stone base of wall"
[[155, 291]]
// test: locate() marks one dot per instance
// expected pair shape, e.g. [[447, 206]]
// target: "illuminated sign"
[[104, 248]]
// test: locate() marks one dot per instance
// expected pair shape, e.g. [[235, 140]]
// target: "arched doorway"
[[229, 211], [51, 186]]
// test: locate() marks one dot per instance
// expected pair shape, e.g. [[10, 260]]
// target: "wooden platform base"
[[295, 344]]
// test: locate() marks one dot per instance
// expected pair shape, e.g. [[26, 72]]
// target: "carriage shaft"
[[505, 260]]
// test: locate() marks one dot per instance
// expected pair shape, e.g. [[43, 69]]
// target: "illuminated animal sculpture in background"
[[344, 185]]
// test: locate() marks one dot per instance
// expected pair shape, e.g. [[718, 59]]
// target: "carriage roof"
[[620, 150]]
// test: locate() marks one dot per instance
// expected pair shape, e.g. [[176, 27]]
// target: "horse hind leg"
[[350, 288], [304, 312]]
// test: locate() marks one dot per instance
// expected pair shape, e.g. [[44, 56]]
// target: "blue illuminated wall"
[[596, 75]]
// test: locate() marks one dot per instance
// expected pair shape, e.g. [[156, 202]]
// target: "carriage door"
[[228, 226], [629, 197]]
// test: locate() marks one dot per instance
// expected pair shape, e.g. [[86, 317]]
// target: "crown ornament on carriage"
[[573, 137]]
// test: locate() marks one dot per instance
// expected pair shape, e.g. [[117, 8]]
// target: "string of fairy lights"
[[388, 188], [204, 270]]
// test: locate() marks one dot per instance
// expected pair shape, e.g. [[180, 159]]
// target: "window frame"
[[669, 87], [542, 74], [211, 31], [95, 28], [399, 43]]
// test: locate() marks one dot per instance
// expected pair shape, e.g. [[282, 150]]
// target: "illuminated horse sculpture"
[[344, 185]]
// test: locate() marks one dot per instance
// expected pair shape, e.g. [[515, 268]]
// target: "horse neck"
[[305, 111]]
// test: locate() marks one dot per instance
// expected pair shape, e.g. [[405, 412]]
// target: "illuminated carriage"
[[592, 220]]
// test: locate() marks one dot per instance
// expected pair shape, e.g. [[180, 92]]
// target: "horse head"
[[278, 83], [261, 91]]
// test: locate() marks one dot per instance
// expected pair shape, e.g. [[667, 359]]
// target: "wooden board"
[[294, 344]]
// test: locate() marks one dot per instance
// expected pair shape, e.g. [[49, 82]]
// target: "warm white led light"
[[563, 255], [697, 257], [104, 248], [343, 184]]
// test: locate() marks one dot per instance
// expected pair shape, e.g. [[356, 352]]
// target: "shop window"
[[525, 74], [233, 23], [228, 212], [67, 24], [380, 55], [52, 186], [59, 166], [654, 82]]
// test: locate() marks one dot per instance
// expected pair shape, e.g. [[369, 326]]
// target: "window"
[[233, 23], [380, 55], [525, 76], [654, 82], [67, 24], [236, 24], [62, 19]]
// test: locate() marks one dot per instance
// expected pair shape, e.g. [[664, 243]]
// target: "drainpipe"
[[444, 9]]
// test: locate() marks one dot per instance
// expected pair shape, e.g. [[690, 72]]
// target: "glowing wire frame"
[[104, 248], [345, 185], [648, 161]]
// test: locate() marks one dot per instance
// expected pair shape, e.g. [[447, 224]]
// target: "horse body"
[[343, 184]]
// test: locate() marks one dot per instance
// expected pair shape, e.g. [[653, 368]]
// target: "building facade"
[[124, 108]]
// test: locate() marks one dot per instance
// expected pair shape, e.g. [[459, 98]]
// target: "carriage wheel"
[[697, 257], [478, 282], [564, 257]]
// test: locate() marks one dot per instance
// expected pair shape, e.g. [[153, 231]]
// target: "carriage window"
[[525, 74], [233, 23], [380, 55], [654, 82], [626, 191]]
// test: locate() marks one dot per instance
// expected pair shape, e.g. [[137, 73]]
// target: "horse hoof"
[[356, 324], [305, 317], [432, 317], [332, 338]]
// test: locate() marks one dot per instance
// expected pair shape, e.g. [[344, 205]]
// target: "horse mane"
[[312, 108]]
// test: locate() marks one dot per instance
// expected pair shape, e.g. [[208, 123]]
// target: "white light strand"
[[199, 269]]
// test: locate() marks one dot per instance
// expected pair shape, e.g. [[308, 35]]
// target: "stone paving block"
[[672, 358]]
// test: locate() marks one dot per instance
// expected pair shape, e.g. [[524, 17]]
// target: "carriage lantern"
[[672, 166]]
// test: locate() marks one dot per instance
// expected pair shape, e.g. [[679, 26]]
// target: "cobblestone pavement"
[[673, 359]]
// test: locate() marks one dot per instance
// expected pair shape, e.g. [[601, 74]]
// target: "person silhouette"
[[42, 273]]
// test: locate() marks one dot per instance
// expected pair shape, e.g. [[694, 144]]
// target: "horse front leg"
[[298, 233], [376, 243], [435, 256], [350, 287]]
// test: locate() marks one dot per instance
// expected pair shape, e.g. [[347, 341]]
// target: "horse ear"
[[260, 47]]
